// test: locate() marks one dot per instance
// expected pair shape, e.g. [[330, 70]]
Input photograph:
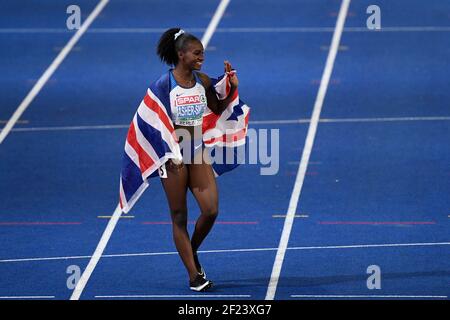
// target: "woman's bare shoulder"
[[205, 79]]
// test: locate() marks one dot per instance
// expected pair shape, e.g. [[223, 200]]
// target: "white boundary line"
[[235, 30], [288, 222], [146, 254], [118, 212], [214, 22], [201, 296], [255, 122], [366, 296], [387, 245], [346, 120], [44, 259], [81, 284], [50, 70], [72, 128]]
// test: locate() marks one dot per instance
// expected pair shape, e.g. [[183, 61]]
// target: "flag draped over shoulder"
[[152, 140]]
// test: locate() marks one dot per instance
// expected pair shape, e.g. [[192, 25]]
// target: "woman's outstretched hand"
[[233, 77]]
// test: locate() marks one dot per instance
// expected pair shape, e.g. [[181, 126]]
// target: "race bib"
[[188, 105]]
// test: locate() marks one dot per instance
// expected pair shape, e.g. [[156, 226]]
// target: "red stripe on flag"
[[145, 161], [247, 117], [153, 105], [235, 95], [229, 137], [209, 121]]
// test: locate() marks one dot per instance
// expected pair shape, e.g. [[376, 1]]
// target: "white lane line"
[[214, 22], [201, 296], [255, 122], [50, 70], [346, 120], [44, 259], [81, 284], [72, 128], [391, 119], [234, 30], [331, 29], [118, 212], [367, 296], [147, 254], [284, 216], [144, 254], [288, 222], [18, 122], [385, 245], [121, 217], [28, 297]]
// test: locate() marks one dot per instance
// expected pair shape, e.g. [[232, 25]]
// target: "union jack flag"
[[152, 140]]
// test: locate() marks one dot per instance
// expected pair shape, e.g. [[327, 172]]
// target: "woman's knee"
[[179, 216], [211, 211]]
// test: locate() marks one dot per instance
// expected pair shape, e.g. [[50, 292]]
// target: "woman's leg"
[[202, 184], [175, 187]]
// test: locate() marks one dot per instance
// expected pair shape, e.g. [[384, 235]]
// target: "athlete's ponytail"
[[171, 42]]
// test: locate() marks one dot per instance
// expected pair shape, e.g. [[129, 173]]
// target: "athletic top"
[[187, 104]]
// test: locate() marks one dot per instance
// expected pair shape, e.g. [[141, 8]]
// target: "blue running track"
[[376, 190]]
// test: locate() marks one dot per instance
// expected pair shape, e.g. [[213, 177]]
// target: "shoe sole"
[[203, 287]]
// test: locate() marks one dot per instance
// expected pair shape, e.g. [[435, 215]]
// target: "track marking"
[[50, 70], [341, 48], [118, 212], [38, 223], [214, 22], [193, 222], [235, 30], [332, 81], [346, 120], [81, 284], [72, 128], [45, 259], [284, 216], [368, 296], [146, 254], [311, 163], [121, 217], [278, 263], [377, 222], [255, 122], [28, 297], [74, 49], [18, 121], [201, 296]]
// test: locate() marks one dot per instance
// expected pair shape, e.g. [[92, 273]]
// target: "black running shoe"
[[200, 269], [200, 284]]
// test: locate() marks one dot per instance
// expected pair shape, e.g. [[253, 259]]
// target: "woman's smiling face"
[[193, 55]]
